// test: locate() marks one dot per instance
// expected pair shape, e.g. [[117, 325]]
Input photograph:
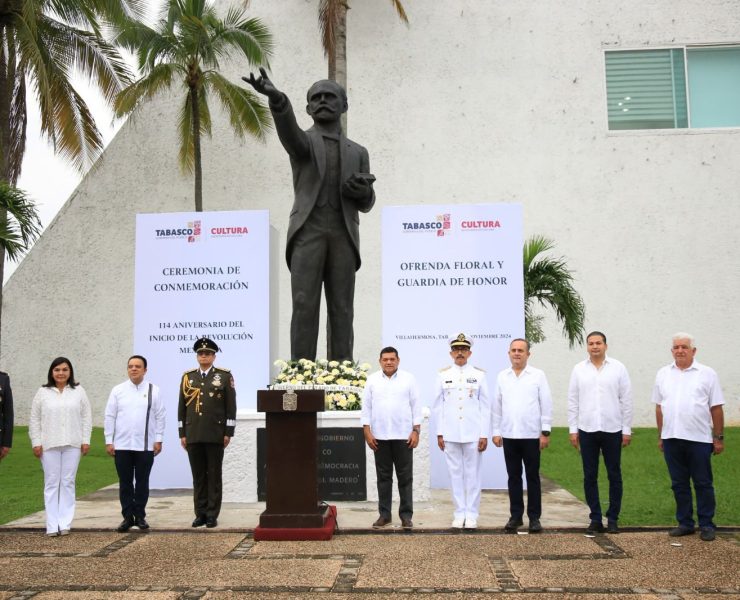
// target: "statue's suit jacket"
[[308, 161]]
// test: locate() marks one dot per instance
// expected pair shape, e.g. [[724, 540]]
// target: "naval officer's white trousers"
[[463, 464]]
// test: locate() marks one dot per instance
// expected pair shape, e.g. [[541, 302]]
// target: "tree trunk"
[[338, 61], [6, 93], [197, 166]]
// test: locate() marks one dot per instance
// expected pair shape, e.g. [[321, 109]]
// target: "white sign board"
[[450, 269], [201, 274]]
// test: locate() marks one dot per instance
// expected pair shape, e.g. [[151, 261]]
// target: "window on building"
[[674, 88]]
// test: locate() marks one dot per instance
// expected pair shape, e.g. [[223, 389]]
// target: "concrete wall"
[[474, 102]]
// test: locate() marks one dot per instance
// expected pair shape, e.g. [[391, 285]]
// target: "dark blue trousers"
[[396, 453], [516, 453], [133, 467], [691, 461], [610, 446]]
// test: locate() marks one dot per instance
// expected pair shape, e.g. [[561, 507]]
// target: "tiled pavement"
[[173, 561], [556, 565]]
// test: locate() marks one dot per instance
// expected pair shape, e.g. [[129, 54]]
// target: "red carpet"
[[280, 534]]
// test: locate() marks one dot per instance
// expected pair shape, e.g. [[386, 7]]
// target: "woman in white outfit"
[[60, 427]]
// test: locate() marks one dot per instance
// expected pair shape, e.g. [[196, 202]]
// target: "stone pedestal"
[[240, 459]]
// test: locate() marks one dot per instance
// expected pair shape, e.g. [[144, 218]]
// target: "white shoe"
[[64, 532], [52, 533], [471, 524], [458, 522]]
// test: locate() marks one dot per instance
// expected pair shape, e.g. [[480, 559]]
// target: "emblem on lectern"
[[290, 400]]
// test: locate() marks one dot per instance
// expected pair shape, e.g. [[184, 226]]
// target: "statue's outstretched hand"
[[263, 85], [359, 186]]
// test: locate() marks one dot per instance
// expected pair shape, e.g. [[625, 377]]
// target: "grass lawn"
[[22, 479], [648, 498]]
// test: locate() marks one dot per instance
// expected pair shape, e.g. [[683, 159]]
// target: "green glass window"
[[673, 88], [714, 86], [646, 89]]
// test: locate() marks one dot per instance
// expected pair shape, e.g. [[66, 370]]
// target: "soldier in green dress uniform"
[[206, 419]]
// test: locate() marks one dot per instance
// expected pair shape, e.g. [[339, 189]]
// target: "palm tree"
[[20, 225], [333, 26], [186, 47], [549, 281], [43, 44]]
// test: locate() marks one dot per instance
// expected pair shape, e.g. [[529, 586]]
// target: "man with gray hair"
[[688, 410]]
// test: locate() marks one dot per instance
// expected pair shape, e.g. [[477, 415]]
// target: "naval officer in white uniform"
[[462, 411]]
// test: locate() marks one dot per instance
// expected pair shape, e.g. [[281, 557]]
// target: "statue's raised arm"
[[264, 86]]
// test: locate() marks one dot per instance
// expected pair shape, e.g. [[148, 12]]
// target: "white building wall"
[[476, 101]]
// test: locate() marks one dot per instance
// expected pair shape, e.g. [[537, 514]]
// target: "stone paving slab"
[[229, 595], [650, 560], [137, 595], [229, 565], [173, 509]]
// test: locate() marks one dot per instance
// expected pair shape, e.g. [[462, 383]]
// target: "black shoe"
[[535, 526], [141, 523], [512, 525], [595, 527], [707, 534], [211, 522], [199, 521], [126, 524], [612, 527], [381, 522], [681, 531]]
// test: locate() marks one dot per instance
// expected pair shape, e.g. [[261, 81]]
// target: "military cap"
[[460, 340], [205, 343]]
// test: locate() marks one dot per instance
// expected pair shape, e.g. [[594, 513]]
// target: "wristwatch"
[[546, 433], [719, 437]]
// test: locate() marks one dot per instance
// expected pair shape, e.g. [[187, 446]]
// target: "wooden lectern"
[[292, 453]]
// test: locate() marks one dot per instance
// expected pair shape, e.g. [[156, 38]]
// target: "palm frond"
[[46, 43], [145, 88], [20, 225], [18, 118], [249, 38], [247, 113], [400, 11], [97, 60], [330, 14], [78, 139], [549, 282], [185, 156]]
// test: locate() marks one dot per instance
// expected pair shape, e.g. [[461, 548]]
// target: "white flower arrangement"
[[343, 381]]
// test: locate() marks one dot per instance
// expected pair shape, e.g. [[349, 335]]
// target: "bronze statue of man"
[[332, 182]]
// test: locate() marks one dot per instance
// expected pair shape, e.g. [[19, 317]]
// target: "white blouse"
[[60, 418]]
